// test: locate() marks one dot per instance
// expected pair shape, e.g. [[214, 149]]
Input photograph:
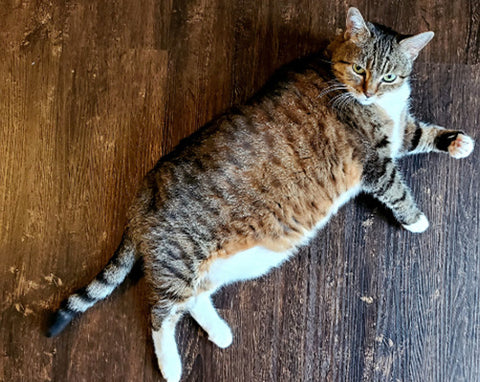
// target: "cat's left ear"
[[413, 45], [357, 30]]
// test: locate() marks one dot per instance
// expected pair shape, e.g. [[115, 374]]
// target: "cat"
[[240, 196]]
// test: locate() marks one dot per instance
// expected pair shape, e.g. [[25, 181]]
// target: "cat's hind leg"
[[202, 310], [163, 335]]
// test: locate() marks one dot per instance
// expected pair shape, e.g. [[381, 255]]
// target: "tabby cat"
[[241, 195]]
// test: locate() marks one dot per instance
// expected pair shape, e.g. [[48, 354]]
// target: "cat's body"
[[244, 193]]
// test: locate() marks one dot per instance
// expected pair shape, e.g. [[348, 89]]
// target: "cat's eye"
[[358, 69], [390, 77]]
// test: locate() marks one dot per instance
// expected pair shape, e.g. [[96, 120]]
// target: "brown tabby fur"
[[269, 171]]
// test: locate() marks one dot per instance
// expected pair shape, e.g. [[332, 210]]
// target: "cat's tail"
[[99, 288]]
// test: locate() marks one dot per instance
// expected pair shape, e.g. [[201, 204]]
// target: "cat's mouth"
[[364, 100], [361, 97]]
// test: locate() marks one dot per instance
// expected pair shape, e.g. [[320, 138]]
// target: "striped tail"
[[101, 286]]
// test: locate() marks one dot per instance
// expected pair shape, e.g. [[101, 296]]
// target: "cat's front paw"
[[419, 226], [461, 147]]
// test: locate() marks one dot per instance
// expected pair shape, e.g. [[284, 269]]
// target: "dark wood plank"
[[92, 94]]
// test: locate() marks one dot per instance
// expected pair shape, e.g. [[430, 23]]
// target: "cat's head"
[[372, 60]]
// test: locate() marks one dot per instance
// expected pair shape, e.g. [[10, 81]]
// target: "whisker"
[[346, 101], [329, 91], [331, 88], [336, 100], [342, 100]]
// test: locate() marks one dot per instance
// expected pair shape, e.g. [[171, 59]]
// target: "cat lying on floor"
[[241, 195]]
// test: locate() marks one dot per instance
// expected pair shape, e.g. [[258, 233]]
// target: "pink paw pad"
[[461, 147]]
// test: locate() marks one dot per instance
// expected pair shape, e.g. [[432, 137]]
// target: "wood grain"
[[93, 93]]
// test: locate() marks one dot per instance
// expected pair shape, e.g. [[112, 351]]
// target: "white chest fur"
[[395, 104]]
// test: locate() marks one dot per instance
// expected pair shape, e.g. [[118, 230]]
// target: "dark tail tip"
[[60, 320]]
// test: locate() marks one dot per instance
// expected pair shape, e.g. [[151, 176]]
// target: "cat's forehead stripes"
[[381, 52]]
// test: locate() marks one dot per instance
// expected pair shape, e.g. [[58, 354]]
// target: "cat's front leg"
[[421, 137], [383, 180]]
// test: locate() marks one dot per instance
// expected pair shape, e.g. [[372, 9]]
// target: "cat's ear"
[[413, 45], [357, 30]]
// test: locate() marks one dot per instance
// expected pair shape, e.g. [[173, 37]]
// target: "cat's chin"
[[366, 101]]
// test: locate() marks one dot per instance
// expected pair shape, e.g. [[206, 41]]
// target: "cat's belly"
[[257, 261], [344, 198], [244, 265]]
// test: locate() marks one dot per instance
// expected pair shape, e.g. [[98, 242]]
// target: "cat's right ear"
[[413, 45], [357, 30]]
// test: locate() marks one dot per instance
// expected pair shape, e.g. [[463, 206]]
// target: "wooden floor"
[[92, 93]]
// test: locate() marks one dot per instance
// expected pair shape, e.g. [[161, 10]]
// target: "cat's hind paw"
[[166, 351], [221, 335], [461, 147], [171, 368], [419, 226]]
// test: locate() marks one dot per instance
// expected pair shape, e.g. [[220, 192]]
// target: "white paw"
[[221, 335], [171, 367], [461, 147], [419, 226]]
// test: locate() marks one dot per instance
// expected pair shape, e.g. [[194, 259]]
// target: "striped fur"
[[101, 286], [422, 137], [241, 195]]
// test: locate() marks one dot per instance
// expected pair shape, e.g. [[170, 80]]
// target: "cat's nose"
[[369, 94]]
